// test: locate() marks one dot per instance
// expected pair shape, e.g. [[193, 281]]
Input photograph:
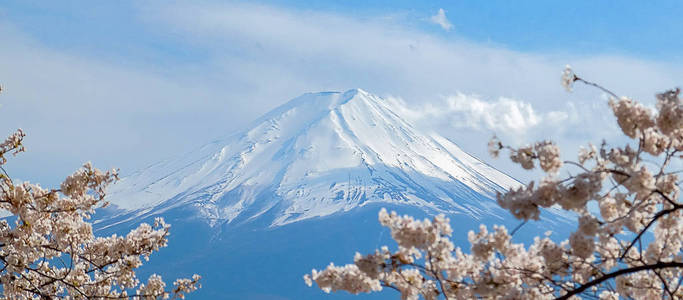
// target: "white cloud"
[[507, 116], [77, 106], [503, 115], [441, 20]]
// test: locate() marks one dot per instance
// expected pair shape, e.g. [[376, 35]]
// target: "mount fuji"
[[300, 188]]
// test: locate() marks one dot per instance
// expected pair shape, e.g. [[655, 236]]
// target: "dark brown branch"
[[640, 234], [518, 227], [665, 284], [437, 275], [597, 281]]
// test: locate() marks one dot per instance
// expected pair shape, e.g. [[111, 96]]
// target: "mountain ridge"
[[316, 155]]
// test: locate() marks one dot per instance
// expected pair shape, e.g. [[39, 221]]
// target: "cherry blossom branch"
[[664, 283], [438, 277], [586, 82], [597, 281], [660, 214], [512, 233], [622, 183]]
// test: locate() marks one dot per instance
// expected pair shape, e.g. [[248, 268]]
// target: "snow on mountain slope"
[[317, 155]]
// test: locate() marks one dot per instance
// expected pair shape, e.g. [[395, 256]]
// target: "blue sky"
[[125, 84], [115, 29], [589, 27]]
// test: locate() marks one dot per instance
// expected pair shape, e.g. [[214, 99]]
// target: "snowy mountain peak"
[[316, 155]]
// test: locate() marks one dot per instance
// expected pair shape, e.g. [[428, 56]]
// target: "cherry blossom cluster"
[[545, 152], [12, 145], [628, 242], [568, 78], [48, 249]]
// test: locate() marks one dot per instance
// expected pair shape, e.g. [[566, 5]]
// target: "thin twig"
[[576, 78]]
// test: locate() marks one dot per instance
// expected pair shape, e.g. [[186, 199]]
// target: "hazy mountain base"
[[252, 261]]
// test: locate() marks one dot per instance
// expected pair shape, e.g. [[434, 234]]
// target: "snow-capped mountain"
[[317, 155], [300, 188]]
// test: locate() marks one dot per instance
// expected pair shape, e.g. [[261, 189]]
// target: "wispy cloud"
[[76, 109], [255, 57], [441, 20]]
